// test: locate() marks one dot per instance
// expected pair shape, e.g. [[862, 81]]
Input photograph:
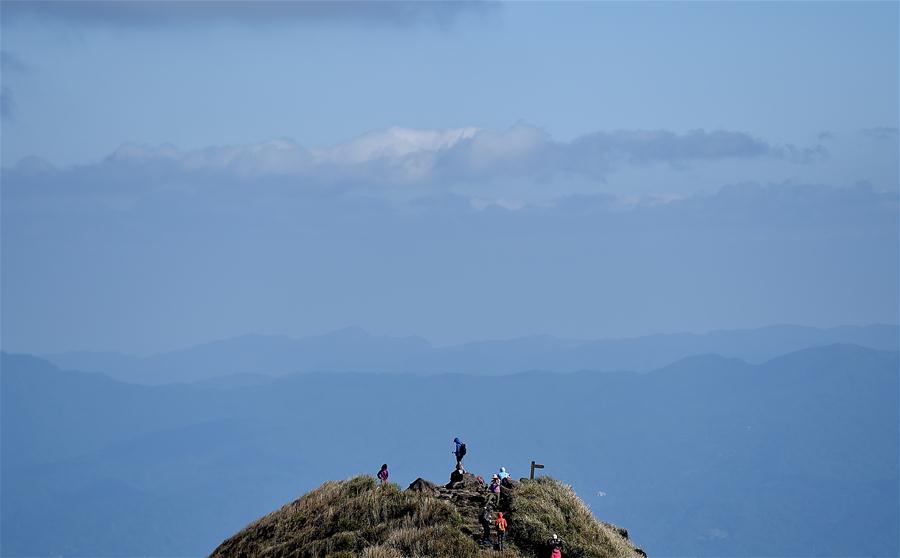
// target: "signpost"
[[535, 466]]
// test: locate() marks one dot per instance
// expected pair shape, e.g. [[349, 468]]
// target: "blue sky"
[[175, 173], [783, 71]]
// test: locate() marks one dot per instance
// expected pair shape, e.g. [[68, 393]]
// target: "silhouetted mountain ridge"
[[354, 350]]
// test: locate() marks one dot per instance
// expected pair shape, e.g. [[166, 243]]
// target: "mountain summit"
[[357, 517]]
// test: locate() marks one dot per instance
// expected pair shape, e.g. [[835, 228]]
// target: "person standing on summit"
[[383, 474], [460, 450]]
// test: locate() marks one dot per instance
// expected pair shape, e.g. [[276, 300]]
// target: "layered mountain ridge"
[[256, 357]]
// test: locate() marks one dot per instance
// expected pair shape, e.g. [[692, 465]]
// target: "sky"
[[175, 173]]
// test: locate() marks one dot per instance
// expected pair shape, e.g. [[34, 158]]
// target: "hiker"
[[495, 489], [456, 476], [383, 474], [501, 529], [485, 520], [503, 474], [460, 450], [555, 543]]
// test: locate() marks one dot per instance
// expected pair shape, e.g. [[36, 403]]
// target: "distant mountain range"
[[255, 357], [708, 456]]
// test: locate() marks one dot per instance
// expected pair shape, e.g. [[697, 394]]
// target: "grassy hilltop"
[[356, 517]]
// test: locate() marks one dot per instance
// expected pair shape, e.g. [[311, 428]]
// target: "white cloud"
[[392, 143], [403, 156]]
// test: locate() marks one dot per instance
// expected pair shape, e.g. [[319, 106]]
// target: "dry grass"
[[359, 518], [545, 506], [355, 517]]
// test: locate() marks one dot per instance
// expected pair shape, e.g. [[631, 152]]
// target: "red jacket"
[[501, 522]]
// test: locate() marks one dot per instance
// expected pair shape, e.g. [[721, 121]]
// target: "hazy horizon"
[[437, 345]]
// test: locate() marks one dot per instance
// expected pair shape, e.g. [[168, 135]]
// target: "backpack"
[[462, 450]]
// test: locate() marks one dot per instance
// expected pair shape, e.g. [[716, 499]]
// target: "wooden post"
[[535, 466]]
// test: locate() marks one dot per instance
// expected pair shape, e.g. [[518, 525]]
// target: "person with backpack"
[[555, 543], [501, 529], [495, 489], [460, 450], [485, 520], [383, 474]]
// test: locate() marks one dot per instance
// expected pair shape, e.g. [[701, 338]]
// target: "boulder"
[[422, 485]]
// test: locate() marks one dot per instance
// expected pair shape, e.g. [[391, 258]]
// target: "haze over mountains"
[[354, 350], [706, 456], [176, 174]]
